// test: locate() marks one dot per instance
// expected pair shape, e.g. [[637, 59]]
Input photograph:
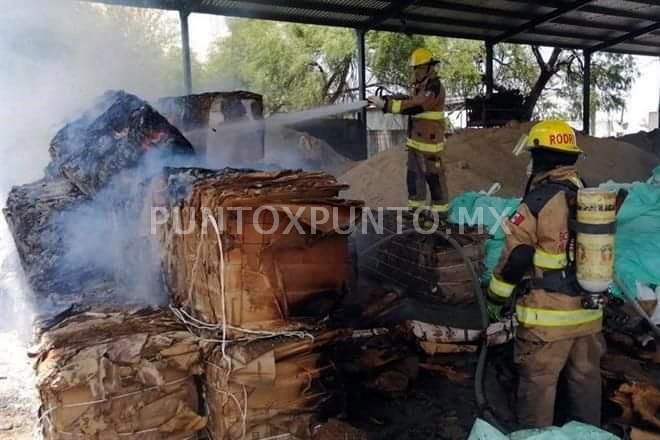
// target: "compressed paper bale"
[[265, 388], [97, 160], [118, 374], [111, 137], [32, 212], [268, 273]]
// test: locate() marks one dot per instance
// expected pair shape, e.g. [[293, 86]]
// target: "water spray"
[[283, 119]]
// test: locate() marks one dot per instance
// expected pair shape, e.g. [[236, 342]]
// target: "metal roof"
[[624, 26]]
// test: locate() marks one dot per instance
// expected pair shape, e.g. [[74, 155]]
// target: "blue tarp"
[[637, 244], [570, 431]]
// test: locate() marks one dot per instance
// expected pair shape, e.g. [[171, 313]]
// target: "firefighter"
[[535, 279], [426, 133]]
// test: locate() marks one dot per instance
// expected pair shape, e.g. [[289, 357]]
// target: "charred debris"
[[164, 314]]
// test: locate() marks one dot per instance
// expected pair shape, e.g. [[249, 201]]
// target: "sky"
[[643, 97]]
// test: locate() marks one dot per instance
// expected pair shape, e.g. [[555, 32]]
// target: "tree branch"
[[539, 57], [554, 57]]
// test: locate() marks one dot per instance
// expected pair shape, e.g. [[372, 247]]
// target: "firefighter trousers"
[[423, 170], [540, 365]]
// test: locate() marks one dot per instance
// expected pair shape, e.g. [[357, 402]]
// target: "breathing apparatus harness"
[[562, 280]]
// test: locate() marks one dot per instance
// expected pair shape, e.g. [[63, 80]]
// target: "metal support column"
[[185, 44], [489, 68], [362, 80], [586, 93]]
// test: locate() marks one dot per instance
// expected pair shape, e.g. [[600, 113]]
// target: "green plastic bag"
[[482, 430], [478, 209]]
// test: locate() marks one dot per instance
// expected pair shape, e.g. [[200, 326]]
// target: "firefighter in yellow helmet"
[[535, 279], [426, 132]]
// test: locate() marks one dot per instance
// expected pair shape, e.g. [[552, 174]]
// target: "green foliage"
[[515, 67], [299, 66], [459, 60], [459, 64], [293, 66], [149, 38], [612, 76], [388, 56]]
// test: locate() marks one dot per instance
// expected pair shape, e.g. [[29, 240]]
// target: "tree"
[[551, 79], [297, 66], [294, 66], [612, 76], [458, 67], [146, 39]]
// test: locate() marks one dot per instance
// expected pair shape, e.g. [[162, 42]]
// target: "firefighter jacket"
[[537, 237], [426, 124]]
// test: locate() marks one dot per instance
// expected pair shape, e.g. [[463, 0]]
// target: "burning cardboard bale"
[[202, 117], [119, 374], [255, 247], [96, 164], [423, 262], [110, 138], [32, 212], [268, 388]]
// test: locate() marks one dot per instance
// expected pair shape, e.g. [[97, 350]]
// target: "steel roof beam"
[[539, 21], [460, 7], [151, 4], [304, 5], [626, 37], [590, 24], [602, 10], [420, 18], [619, 13], [562, 3], [277, 16], [392, 11]]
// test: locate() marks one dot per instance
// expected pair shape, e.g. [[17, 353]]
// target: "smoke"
[[109, 236], [57, 56]]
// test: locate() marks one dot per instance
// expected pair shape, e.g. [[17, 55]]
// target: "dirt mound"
[[646, 140], [475, 158]]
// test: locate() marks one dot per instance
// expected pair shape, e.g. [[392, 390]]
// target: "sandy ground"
[[18, 400]]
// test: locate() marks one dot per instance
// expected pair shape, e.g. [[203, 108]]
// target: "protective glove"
[[377, 102]]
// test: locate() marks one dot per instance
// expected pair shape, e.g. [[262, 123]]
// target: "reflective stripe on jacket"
[[426, 125], [541, 222]]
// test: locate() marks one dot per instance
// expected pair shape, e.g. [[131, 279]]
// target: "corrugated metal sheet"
[[596, 22]]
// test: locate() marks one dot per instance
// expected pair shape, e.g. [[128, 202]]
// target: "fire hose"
[[483, 408]]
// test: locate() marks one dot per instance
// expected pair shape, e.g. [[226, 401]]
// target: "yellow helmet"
[[553, 135], [420, 57]]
